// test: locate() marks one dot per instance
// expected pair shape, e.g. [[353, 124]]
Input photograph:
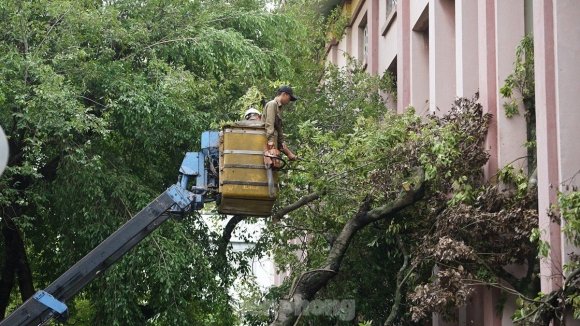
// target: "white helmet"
[[251, 111]]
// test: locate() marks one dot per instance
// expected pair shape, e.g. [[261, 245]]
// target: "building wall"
[[442, 49], [511, 131], [567, 97]]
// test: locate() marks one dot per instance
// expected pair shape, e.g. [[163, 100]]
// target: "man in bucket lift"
[[252, 114], [272, 119], [252, 118]]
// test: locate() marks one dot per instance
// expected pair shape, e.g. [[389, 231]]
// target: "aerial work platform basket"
[[243, 184]]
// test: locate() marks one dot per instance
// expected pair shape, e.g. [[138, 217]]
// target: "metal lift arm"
[[175, 201], [49, 303]]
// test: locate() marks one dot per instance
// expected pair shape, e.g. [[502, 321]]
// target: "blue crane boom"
[[175, 201], [49, 303]]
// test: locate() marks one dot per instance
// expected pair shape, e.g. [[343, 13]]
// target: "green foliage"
[[521, 80], [526, 311], [519, 180], [389, 84], [346, 95], [100, 101], [252, 99], [569, 210], [355, 149], [569, 207], [336, 23], [519, 88], [543, 246], [548, 306], [574, 301]]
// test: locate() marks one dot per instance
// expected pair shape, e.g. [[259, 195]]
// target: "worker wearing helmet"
[[252, 118], [252, 114], [272, 119]]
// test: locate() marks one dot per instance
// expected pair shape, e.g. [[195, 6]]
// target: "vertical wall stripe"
[[403, 55], [547, 140], [487, 77]]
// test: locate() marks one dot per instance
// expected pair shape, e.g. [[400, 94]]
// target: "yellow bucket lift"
[[246, 187]]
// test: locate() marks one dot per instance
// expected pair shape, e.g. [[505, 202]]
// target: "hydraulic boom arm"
[[49, 303], [199, 168]]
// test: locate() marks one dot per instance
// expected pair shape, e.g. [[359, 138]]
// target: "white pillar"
[[467, 72], [441, 55]]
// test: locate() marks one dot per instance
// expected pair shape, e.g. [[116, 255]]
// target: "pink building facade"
[[443, 49]]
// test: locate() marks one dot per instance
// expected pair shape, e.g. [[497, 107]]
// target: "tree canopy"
[[100, 101], [389, 212]]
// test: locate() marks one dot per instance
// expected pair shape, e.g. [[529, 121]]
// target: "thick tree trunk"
[[227, 235], [8, 270], [15, 263], [305, 286]]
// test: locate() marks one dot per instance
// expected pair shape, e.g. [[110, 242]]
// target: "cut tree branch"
[[306, 285]]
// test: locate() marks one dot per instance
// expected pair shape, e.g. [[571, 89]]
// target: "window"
[[391, 11], [365, 43], [391, 6], [363, 39]]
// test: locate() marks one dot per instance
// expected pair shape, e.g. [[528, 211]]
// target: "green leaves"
[[569, 207], [100, 101], [521, 80]]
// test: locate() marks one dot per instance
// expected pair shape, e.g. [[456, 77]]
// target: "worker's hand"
[[270, 144], [291, 156]]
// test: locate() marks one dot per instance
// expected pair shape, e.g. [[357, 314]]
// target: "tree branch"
[[227, 234], [400, 280], [294, 206], [306, 286]]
